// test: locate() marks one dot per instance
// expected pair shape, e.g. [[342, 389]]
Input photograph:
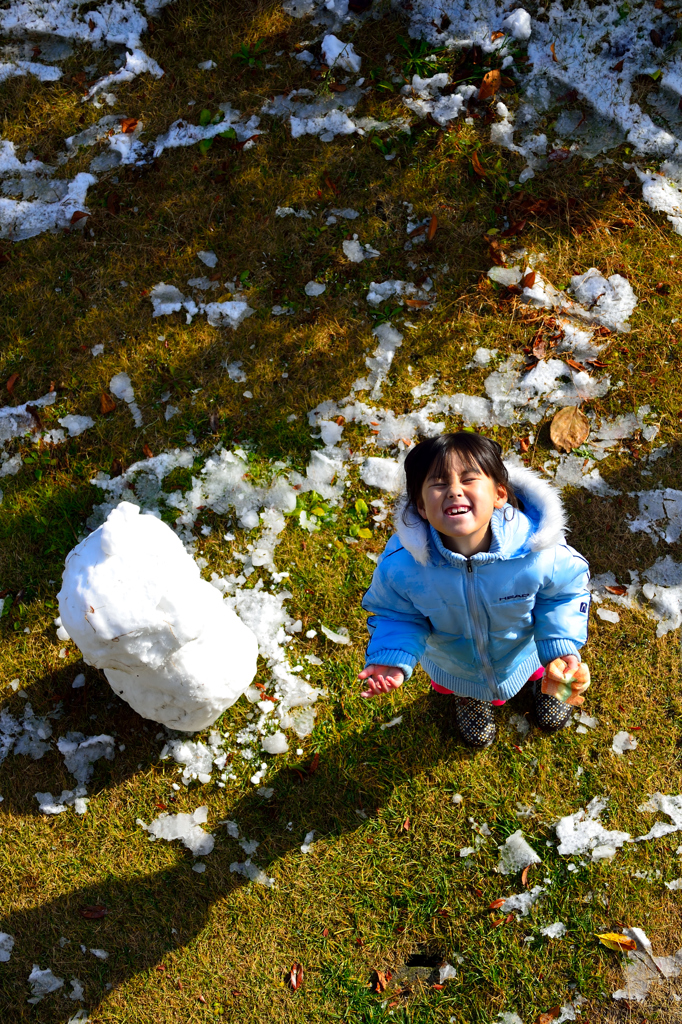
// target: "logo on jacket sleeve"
[[583, 606]]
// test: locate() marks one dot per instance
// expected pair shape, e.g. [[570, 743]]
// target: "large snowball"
[[133, 601]]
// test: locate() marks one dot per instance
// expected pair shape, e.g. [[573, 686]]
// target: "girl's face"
[[459, 503]]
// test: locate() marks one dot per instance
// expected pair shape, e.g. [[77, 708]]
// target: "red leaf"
[[337, 87], [662, 288], [618, 66], [496, 904], [147, 451], [295, 977], [433, 227], [330, 184], [618, 590], [201, 998], [524, 875], [380, 981], [11, 382], [95, 913], [406, 825], [129, 124], [554, 56], [529, 280], [314, 764], [78, 215], [437, 986], [514, 229], [524, 444], [550, 1015], [477, 165]]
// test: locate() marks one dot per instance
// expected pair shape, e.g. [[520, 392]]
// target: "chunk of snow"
[[583, 832], [337, 638], [446, 973], [101, 954], [6, 946], [607, 615], [76, 798], [340, 55], [42, 983], [516, 854], [77, 990], [523, 901], [275, 743], [207, 65], [80, 753], [379, 363], [133, 601], [669, 805], [235, 372], [520, 723], [554, 931], [208, 257], [314, 288], [643, 969], [674, 885], [393, 722], [508, 1018], [308, 842], [623, 741], [252, 872], [587, 720], [466, 851], [22, 219], [356, 252], [186, 827], [518, 24], [76, 424], [386, 474], [120, 386]]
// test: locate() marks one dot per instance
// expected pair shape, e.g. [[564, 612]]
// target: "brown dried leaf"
[[524, 875], [656, 37], [94, 913], [433, 227], [78, 215], [106, 403], [11, 382], [618, 66], [496, 904], [477, 165], [524, 444], [337, 87], [554, 56], [529, 280], [490, 84], [570, 428], [662, 288], [575, 365], [550, 1015], [618, 590], [116, 468], [129, 124], [495, 36], [380, 981], [295, 977], [147, 451], [621, 224]]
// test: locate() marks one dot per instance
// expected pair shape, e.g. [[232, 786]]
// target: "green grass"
[[371, 893]]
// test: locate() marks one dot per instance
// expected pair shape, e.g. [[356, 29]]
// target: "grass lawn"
[[383, 884]]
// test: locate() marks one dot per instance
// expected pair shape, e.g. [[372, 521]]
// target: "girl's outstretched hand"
[[381, 679]]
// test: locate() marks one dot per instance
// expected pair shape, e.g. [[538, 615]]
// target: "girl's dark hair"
[[430, 456]]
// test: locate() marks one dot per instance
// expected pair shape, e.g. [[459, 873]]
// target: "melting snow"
[[167, 299], [523, 901], [42, 983], [6, 946], [643, 969], [623, 741], [186, 827], [669, 805], [554, 931], [516, 854], [583, 832]]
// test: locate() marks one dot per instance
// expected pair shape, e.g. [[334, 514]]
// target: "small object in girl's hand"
[[564, 684]]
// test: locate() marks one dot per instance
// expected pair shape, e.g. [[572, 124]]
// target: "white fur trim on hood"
[[537, 494]]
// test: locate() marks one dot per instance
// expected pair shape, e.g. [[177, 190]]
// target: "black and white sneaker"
[[551, 714], [475, 722]]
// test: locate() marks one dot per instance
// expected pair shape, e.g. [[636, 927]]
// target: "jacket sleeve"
[[562, 607], [397, 630]]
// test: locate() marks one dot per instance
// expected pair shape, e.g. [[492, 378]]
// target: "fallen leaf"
[[381, 980], [213, 422], [433, 227], [496, 904], [524, 444], [129, 124], [497, 922], [201, 998], [550, 1015], [495, 36], [337, 87], [417, 303], [94, 913], [106, 403], [514, 229], [618, 590], [554, 56], [406, 825], [116, 468], [524, 875], [490, 84], [147, 451], [662, 288], [435, 985], [575, 365], [529, 280], [569, 429], [477, 166], [314, 764], [78, 215], [613, 940], [79, 78], [11, 382], [296, 976], [113, 204], [618, 66], [597, 363], [331, 185], [656, 37], [621, 223]]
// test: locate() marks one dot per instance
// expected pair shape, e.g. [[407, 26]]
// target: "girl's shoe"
[[550, 714], [475, 722]]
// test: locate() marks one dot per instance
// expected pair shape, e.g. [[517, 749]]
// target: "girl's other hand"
[[382, 679]]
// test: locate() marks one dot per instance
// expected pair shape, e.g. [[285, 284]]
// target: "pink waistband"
[[496, 703]]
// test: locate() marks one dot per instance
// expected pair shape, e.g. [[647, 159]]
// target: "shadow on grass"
[[154, 914]]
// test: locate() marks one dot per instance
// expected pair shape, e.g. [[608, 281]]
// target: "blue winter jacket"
[[481, 626]]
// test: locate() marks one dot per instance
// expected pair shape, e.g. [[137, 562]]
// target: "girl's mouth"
[[457, 510]]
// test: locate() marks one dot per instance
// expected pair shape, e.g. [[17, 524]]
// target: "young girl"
[[478, 584]]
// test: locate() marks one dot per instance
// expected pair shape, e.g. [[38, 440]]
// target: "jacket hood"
[[541, 524]]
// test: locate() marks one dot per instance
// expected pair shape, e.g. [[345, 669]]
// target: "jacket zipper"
[[479, 637]]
